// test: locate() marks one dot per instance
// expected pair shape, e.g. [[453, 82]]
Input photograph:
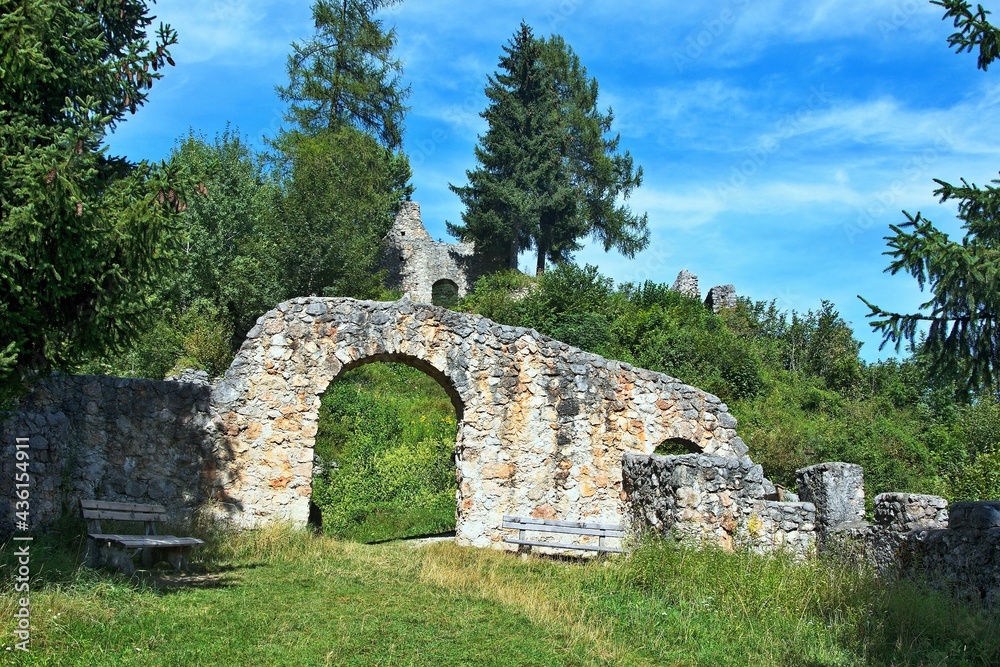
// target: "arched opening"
[[677, 447], [384, 454], [444, 293]]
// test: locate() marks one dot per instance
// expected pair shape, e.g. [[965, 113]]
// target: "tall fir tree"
[[962, 317], [84, 236], [548, 172], [346, 73], [343, 173]]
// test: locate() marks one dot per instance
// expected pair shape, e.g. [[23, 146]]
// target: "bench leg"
[[178, 559], [118, 558], [92, 554]]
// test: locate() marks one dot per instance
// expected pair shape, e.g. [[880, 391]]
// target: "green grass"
[[280, 597]]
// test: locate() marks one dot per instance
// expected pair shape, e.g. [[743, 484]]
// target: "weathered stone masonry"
[[415, 262], [542, 426], [724, 501], [110, 438]]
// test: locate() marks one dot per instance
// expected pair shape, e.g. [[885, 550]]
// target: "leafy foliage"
[[548, 174], [385, 443], [84, 237], [340, 191], [306, 219]]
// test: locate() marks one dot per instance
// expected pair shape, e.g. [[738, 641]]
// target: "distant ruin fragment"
[[719, 297], [426, 270]]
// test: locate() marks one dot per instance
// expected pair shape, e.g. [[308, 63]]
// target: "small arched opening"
[[384, 453], [444, 293], [677, 447]]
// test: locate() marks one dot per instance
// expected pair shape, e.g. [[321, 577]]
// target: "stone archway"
[[542, 426]]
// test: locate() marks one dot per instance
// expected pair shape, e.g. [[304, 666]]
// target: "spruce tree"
[[962, 316], [548, 172], [84, 236]]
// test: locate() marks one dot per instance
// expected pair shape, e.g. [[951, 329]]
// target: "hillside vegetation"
[[795, 381]]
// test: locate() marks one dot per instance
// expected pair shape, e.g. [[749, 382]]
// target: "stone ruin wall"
[[912, 535], [113, 439], [545, 430], [414, 262], [724, 501], [728, 502], [542, 426]]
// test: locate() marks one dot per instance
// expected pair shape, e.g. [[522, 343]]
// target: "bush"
[[385, 446]]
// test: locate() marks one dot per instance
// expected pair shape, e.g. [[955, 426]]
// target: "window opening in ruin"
[[384, 456], [444, 293], [677, 447]]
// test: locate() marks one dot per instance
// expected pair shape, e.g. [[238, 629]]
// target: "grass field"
[[280, 597]]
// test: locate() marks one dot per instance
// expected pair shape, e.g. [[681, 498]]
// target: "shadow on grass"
[[410, 538]]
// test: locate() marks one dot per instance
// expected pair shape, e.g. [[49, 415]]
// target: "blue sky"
[[779, 139]]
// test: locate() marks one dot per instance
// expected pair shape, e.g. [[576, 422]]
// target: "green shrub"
[[385, 444]]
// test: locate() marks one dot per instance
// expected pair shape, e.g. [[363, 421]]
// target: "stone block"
[[836, 489], [687, 284], [982, 515], [904, 512]]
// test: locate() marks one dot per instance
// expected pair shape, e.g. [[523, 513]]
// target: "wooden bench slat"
[[558, 545], [553, 522], [120, 515], [605, 532], [128, 507], [135, 541], [174, 547]]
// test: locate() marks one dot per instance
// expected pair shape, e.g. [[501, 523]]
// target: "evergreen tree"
[[962, 316], [342, 173], [548, 174], [509, 191], [84, 236], [345, 74]]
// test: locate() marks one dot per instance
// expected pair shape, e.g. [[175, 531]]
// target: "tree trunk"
[[514, 246], [545, 225]]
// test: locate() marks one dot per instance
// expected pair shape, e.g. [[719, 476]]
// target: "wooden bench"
[[602, 530], [119, 550]]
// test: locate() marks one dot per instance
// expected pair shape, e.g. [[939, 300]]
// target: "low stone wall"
[[905, 512], [109, 438], [913, 535], [720, 500]]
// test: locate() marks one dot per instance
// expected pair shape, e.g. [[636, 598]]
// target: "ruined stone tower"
[[419, 266]]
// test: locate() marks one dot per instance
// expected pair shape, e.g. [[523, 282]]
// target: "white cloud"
[[244, 32]]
